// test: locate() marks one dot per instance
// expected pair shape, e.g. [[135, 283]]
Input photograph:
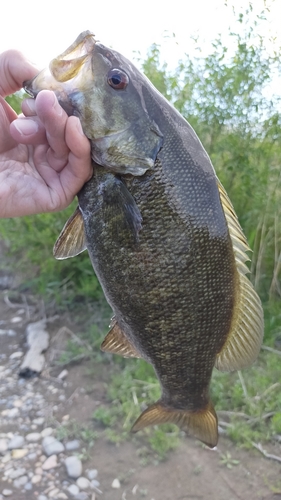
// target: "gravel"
[[34, 463]]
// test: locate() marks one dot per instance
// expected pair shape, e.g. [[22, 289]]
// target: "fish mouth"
[[63, 69]]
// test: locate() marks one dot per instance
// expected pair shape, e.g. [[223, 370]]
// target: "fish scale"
[[162, 235]]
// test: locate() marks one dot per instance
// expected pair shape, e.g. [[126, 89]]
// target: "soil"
[[190, 472]]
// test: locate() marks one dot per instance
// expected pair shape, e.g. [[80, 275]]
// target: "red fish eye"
[[117, 79]]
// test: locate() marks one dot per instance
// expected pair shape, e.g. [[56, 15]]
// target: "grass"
[[29, 242]]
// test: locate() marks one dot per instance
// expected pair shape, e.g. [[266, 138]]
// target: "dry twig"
[[259, 447], [270, 349]]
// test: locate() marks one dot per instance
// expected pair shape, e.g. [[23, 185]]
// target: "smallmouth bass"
[[162, 235]]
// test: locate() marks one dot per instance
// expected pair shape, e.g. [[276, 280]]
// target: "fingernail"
[[58, 109], [26, 127], [30, 103], [79, 127]]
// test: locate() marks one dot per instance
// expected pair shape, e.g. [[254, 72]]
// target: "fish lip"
[[27, 87], [84, 42]]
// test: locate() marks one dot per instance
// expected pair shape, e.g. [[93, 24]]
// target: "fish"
[[162, 235]]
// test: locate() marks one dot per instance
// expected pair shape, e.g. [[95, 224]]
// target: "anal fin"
[[202, 424], [71, 240], [116, 342]]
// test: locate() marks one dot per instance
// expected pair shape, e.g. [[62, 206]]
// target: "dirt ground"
[[190, 472]]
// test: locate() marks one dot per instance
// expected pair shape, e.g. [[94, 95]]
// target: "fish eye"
[[117, 79]]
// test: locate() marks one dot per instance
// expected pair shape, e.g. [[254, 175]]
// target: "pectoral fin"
[[71, 240], [119, 208], [246, 333], [202, 424], [116, 342]]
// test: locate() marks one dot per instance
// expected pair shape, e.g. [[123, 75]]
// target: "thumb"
[[14, 70]]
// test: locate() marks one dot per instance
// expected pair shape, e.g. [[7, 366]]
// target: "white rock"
[[73, 466], [6, 458], [38, 341], [50, 463], [63, 374], [54, 493], [19, 453], [42, 497], [39, 421], [82, 496], [62, 496], [21, 481], [116, 484], [16, 442], [10, 333], [52, 446], [36, 478], [92, 474], [17, 403], [95, 484], [15, 473], [16, 319], [72, 445], [12, 413], [7, 493], [73, 489], [3, 445], [16, 355], [33, 437], [83, 483], [47, 432]]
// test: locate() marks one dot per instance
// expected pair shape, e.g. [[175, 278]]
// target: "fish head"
[[104, 90]]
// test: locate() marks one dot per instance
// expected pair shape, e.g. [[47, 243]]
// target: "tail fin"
[[202, 424]]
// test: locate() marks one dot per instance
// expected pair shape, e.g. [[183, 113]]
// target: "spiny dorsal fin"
[[245, 337], [71, 240], [202, 424], [116, 342]]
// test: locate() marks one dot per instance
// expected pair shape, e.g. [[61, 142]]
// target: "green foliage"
[[250, 403], [31, 240], [71, 429], [133, 385], [15, 101], [227, 460]]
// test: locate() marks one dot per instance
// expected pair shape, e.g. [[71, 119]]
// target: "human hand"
[[44, 155]]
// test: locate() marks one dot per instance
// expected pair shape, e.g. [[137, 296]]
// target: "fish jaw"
[[123, 136]]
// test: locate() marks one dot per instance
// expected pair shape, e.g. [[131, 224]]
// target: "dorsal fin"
[[246, 333], [71, 240]]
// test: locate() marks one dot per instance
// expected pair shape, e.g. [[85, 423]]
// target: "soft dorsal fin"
[[244, 340], [71, 240], [116, 342]]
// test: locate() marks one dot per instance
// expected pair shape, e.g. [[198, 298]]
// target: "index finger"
[[54, 119]]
